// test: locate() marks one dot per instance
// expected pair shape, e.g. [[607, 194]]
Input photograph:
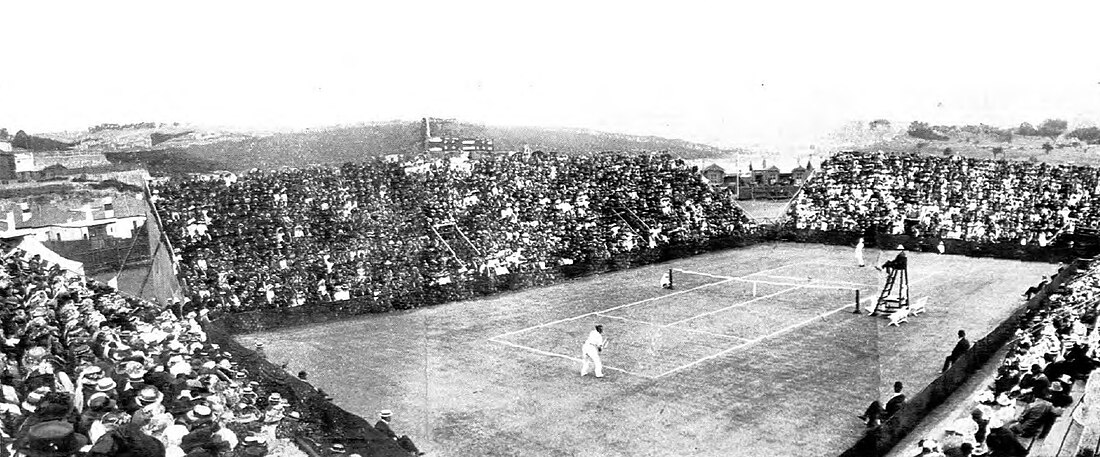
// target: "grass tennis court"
[[755, 351]]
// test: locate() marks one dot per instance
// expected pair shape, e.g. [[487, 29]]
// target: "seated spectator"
[[383, 425], [1059, 398], [1003, 442], [876, 413], [1035, 420], [1033, 384]]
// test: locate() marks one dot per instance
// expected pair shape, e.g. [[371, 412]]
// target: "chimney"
[[109, 207], [10, 220]]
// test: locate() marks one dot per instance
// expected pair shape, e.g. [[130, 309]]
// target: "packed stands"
[[87, 369], [948, 197], [430, 231]]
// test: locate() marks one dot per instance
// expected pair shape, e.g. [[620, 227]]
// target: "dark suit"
[[404, 441], [901, 262], [1036, 420], [960, 348], [876, 412], [894, 405]]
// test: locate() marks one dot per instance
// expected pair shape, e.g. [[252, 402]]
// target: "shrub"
[[922, 131]]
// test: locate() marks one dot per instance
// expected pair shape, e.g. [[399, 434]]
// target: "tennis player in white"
[[591, 350]]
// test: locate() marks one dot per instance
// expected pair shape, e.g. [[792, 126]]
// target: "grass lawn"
[[755, 352]]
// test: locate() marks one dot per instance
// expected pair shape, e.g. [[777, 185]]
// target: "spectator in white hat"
[[383, 425]]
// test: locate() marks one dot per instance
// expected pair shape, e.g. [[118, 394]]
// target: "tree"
[[3, 133], [998, 150], [921, 130], [1047, 147], [1003, 135], [1089, 135], [1053, 128], [947, 151], [1026, 129], [879, 124]]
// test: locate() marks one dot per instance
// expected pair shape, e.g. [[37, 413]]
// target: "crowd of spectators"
[[948, 197], [430, 230], [85, 370], [1053, 353]]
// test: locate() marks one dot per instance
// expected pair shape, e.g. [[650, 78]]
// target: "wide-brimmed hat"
[[148, 396], [337, 448], [52, 439], [34, 398], [199, 413], [105, 384], [100, 401]]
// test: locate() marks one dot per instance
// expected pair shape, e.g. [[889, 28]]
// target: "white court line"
[[802, 285], [773, 334], [819, 280], [702, 274], [690, 330], [563, 356], [614, 308], [777, 268], [734, 305]]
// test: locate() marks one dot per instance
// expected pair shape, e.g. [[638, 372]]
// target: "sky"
[[775, 74]]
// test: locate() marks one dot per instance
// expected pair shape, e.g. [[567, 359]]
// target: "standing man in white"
[[591, 350], [859, 252]]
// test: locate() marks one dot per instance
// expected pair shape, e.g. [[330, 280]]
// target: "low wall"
[[1054, 253], [882, 439]]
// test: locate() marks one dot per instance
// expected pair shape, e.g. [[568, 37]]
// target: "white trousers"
[[859, 256], [590, 352]]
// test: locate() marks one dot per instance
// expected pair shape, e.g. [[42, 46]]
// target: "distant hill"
[[39, 143], [141, 137], [982, 141], [355, 143]]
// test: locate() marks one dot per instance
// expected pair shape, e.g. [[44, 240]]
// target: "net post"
[[857, 303], [670, 283]]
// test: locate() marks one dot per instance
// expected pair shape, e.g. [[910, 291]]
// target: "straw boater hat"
[[337, 448], [100, 401], [148, 396], [105, 384], [385, 414], [199, 413], [34, 398]]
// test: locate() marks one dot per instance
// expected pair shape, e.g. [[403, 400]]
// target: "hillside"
[[355, 143], [1065, 150]]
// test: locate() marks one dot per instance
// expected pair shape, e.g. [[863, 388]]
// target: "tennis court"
[[703, 317], [754, 351]]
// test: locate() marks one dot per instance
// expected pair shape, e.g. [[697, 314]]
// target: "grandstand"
[[755, 351]]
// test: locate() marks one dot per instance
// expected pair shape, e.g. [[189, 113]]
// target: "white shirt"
[[595, 339]]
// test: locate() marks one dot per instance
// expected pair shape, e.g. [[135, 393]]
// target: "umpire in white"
[[591, 350]]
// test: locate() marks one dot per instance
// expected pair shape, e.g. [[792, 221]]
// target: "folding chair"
[[920, 306], [899, 316]]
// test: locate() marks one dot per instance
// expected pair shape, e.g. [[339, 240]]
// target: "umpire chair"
[[897, 278]]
